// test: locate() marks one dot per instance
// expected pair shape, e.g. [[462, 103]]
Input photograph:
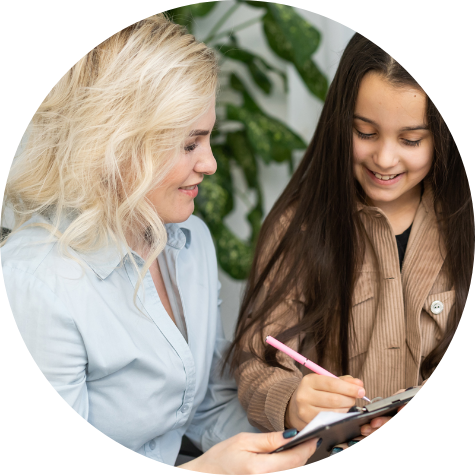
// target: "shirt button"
[[152, 445], [184, 408], [436, 307]]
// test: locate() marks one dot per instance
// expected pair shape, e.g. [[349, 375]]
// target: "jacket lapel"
[[424, 259]]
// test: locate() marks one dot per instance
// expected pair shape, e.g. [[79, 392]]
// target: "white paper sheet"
[[323, 419]]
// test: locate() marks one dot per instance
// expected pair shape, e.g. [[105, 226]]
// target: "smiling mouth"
[[191, 187], [384, 177]]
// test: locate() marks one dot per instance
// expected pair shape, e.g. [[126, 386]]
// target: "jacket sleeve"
[[50, 335], [265, 391], [220, 415]]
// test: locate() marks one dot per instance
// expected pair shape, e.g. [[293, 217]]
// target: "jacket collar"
[[427, 201]]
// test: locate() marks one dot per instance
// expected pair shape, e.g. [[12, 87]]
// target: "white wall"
[[299, 109]]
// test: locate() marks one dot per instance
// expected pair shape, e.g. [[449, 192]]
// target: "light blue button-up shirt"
[[126, 367]]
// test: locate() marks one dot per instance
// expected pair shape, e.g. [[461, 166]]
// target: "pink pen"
[[301, 359]]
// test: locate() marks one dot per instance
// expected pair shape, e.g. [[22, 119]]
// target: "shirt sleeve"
[[220, 415], [50, 335]]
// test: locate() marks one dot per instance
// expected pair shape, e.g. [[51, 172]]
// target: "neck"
[[401, 212]]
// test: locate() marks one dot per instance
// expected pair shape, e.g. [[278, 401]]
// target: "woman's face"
[[392, 146], [173, 199]]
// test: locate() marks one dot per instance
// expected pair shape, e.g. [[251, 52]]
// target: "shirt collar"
[[105, 260]]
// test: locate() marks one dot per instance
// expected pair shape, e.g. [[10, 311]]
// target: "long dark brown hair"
[[320, 246]]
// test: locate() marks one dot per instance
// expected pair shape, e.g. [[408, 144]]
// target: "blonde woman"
[[119, 304]]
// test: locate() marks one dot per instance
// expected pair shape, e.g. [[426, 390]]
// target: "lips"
[[384, 180], [189, 187]]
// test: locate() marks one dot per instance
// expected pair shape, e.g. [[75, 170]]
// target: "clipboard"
[[344, 430]]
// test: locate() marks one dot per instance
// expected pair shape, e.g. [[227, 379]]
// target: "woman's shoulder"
[[33, 250]]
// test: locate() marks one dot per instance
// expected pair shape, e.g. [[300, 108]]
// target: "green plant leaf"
[[285, 40], [185, 15], [254, 4], [276, 38], [256, 66], [213, 202], [303, 37], [243, 154], [238, 85], [202, 9], [314, 79], [269, 137], [255, 217], [215, 197], [234, 255]]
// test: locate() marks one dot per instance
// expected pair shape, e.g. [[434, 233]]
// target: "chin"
[[183, 215]]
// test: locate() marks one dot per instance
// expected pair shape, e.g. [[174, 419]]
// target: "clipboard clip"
[[363, 410]]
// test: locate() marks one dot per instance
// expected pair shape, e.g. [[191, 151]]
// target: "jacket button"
[[184, 408], [436, 307], [152, 445]]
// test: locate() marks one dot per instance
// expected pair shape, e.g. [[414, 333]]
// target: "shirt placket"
[[148, 297]]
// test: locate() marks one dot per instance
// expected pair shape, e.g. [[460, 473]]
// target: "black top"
[[401, 240]]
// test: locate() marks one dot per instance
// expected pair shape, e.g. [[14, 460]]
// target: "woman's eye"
[[191, 147]]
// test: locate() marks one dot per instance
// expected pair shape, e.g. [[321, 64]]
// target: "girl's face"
[[392, 146], [173, 199]]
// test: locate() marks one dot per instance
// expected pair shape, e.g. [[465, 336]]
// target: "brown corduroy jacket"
[[396, 315]]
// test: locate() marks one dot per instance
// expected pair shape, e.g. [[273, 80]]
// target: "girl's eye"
[[410, 143], [363, 136], [191, 147]]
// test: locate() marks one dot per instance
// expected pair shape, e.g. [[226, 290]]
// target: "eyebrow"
[[404, 129], [195, 133]]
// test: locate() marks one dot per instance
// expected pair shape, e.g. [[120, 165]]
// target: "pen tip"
[[366, 399]]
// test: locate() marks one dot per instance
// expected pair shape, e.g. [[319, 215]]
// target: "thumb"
[[265, 443]]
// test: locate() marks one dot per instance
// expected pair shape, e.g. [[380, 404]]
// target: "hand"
[[366, 430], [249, 453], [378, 422], [317, 393]]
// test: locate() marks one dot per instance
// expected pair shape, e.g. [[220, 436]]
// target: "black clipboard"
[[347, 429]]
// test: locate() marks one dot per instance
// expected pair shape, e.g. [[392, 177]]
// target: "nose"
[[385, 156], [206, 163]]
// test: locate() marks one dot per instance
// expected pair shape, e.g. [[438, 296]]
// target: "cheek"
[[420, 161], [361, 150]]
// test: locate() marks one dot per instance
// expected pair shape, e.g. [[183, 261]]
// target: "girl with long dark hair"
[[364, 263]]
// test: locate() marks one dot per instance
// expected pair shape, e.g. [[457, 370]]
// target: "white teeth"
[[384, 177], [188, 187]]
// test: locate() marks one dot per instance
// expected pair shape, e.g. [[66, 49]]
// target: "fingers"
[[340, 447], [345, 386], [374, 425], [263, 443], [352, 380], [292, 458], [334, 401]]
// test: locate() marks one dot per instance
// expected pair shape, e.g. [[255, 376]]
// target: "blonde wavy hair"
[[108, 133]]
